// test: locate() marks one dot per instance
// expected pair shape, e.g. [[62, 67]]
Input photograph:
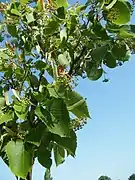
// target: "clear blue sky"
[[106, 145]]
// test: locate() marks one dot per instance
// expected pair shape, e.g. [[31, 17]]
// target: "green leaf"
[[20, 161], [3, 55], [40, 65], [63, 60], [61, 13], [52, 91], [34, 135], [126, 34], [24, 1], [15, 12], [44, 157], [94, 73], [99, 53], [30, 18], [21, 109], [60, 118], [7, 116], [12, 30], [110, 60], [34, 81], [77, 104], [132, 28], [59, 154], [61, 3], [1, 38], [70, 144], [63, 34], [121, 52], [119, 13], [100, 31], [2, 102], [51, 27], [80, 8]]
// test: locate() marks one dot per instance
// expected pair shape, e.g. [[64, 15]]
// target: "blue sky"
[[106, 145]]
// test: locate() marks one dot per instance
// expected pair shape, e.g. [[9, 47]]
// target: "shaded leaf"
[[60, 118], [12, 30], [59, 154], [61, 13], [121, 52], [100, 31], [99, 53], [70, 144], [44, 157], [110, 60], [34, 135]]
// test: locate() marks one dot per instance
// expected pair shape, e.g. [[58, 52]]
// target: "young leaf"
[[61, 3], [20, 160], [24, 1], [30, 17], [63, 60], [7, 116], [21, 109], [63, 34]]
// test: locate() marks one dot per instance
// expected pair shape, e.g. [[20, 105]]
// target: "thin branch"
[[76, 60]]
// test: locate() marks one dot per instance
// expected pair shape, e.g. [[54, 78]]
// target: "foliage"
[[44, 48], [104, 178], [132, 177]]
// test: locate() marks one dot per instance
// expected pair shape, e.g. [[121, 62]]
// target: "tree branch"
[[76, 60]]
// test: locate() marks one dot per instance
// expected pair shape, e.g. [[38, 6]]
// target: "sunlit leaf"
[[77, 104], [20, 160], [7, 116], [62, 59], [119, 13], [30, 17], [61, 3]]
